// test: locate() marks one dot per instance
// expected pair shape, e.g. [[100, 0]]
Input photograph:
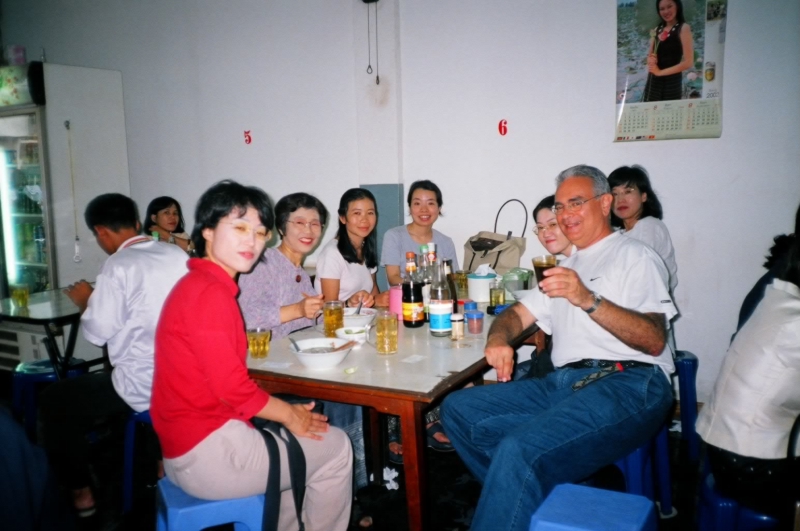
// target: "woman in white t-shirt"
[[637, 211], [346, 266]]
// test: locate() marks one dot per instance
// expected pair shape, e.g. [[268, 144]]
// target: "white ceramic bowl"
[[321, 360], [358, 321], [353, 333]]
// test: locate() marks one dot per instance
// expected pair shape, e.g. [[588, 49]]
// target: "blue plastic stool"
[[686, 365], [24, 381], [637, 470], [579, 508], [177, 511], [718, 513], [130, 446]]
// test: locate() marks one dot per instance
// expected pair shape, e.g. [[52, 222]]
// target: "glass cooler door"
[[24, 255]]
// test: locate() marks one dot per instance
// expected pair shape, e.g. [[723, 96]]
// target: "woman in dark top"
[[671, 52]]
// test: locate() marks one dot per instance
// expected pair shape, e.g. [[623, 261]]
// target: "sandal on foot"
[[433, 443]]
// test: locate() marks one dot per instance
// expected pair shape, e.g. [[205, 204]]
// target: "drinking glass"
[[385, 326], [542, 264], [20, 294], [258, 342], [332, 317]]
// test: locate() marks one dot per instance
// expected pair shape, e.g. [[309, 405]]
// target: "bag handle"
[[297, 475], [524, 229]]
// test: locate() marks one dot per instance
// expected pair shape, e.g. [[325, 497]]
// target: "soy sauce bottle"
[[413, 308]]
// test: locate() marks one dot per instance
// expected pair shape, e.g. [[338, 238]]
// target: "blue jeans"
[[521, 439]]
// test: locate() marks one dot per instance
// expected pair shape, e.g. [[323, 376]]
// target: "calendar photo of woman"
[[659, 50]]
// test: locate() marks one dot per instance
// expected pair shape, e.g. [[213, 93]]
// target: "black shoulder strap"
[[297, 475]]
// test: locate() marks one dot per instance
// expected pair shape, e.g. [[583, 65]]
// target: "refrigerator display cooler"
[[25, 248]]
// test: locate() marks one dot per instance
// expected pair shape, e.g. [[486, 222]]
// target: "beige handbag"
[[501, 251]]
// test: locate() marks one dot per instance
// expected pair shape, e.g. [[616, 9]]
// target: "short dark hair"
[[425, 185], [288, 204], [112, 211], [636, 177], [678, 11], [157, 205], [370, 248], [222, 199], [545, 204]]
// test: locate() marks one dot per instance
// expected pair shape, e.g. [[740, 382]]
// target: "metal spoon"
[[360, 304]]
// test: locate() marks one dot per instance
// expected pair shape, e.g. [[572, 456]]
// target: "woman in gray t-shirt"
[[424, 204]]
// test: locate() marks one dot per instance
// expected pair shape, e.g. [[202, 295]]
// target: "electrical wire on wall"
[[77, 257], [369, 43]]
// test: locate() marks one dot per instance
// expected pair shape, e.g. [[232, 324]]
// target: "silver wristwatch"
[[597, 300]]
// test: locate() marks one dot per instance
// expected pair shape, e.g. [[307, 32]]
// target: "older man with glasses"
[[608, 307]]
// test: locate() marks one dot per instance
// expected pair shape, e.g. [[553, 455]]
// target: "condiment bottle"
[[413, 309], [457, 325], [441, 305], [427, 277]]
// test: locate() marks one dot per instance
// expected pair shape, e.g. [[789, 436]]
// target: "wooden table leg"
[[414, 465]]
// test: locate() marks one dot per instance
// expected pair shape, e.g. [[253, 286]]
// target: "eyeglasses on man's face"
[[300, 224], [539, 229], [573, 205], [245, 230]]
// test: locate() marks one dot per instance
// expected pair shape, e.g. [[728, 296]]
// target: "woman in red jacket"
[[203, 397]]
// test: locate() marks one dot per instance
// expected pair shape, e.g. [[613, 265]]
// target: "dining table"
[[52, 310], [406, 384]]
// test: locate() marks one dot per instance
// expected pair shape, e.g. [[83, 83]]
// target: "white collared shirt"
[[124, 308]]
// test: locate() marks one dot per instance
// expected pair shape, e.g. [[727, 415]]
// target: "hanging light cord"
[[77, 257], [369, 45], [377, 58]]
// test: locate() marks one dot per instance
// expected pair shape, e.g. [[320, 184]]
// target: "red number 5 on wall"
[[247, 137]]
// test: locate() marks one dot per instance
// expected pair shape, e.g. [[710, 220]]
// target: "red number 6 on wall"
[[502, 127]]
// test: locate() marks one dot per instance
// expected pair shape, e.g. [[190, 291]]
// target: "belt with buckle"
[[601, 364]]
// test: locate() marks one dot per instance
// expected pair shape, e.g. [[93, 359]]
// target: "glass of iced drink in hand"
[[542, 264]]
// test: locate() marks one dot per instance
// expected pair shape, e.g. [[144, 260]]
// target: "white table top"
[[420, 364]]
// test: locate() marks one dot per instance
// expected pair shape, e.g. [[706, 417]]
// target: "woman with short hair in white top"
[[346, 266], [748, 420], [637, 211]]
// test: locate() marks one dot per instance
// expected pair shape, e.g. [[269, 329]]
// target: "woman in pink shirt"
[[203, 397]]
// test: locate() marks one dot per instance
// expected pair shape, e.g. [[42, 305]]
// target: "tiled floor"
[[453, 491]]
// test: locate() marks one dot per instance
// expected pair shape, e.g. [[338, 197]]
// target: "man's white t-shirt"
[[352, 277], [124, 308], [622, 270]]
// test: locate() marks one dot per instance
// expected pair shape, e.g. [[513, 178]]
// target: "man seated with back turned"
[[608, 308], [122, 311]]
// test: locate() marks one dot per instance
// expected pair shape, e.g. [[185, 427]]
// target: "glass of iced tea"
[[20, 295], [258, 342], [542, 264], [332, 313], [385, 326]]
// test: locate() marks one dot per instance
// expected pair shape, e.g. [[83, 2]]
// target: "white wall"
[[198, 73]]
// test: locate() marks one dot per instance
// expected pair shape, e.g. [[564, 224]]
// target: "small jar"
[[474, 322], [440, 312], [470, 305], [457, 325]]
